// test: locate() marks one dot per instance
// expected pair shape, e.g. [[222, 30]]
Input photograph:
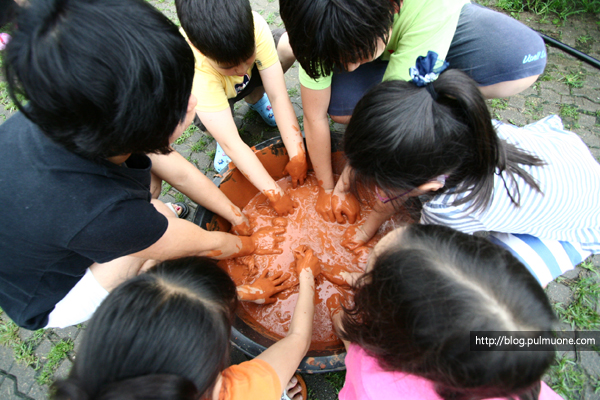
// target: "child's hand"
[[334, 304], [297, 168], [250, 263], [261, 290], [355, 237], [361, 256], [242, 226], [282, 203], [323, 205], [266, 240], [345, 204], [306, 260]]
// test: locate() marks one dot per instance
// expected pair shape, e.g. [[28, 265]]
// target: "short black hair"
[[174, 320], [328, 34], [103, 78], [222, 30]]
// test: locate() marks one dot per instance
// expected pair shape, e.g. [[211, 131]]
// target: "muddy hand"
[[361, 256], [249, 262], [282, 204], [243, 228], [267, 239], [323, 206], [306, 259], [345, 204], [297, 168], [337, 276], [354, 237], [334, 303], [263, 288]]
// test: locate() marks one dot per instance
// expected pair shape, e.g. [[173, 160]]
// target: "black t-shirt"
[[59, 214]]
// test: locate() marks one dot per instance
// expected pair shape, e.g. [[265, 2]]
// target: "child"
[[346, 46], [535, 188], [101, 95], [235, 58], [427, 287], [167, 332]]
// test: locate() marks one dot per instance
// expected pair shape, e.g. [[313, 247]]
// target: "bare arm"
[[285, 355], [287, 122], [221, 125], [318, 135], [185, 177]]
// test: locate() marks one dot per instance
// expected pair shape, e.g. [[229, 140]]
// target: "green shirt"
[[420, 26]]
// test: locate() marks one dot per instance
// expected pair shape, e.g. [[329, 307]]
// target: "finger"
[[294, 182], [279, 239], [265, 273], [280, 279], [338, 216], [296, 204], [351, 217], [331, 216], [302, 179], [270, 300], [278, 230], [276, 276]]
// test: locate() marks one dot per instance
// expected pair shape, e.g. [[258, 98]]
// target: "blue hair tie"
[[425, 70]]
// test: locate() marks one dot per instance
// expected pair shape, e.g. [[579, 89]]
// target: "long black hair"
[[414, 311], [170, 326], [399, 138]]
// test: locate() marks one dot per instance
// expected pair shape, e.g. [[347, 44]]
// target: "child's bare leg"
[[155, 185], [111, 274], [285, 53], [255, 96], [341, 119], [508, 88]]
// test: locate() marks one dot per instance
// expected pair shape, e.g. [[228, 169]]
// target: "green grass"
[[187, 133], [23, 350], [56, 355], [499, 104], [270, 18], [200, 145], [573, 79], [569, 111], [165, 188], [292, 91], [336, 380], [5, 99], [561, 8], [211, 155], [567, 379], [581, 313]]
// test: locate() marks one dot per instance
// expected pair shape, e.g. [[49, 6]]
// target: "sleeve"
[[209, 90], [314, 84], [254, 379], [124, 228], [430, 26], [439, 212], [266, 52]]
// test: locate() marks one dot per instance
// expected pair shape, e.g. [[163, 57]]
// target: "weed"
[[574, 79], [5, 99], [200, 145], [211, 155], [179, 197], [584, 39], [581, 314], [22, 350], [569, 111], [165, 188], [546, 77], [567, 379], [500, 104], [270, 18], [55, 356], [292, 91], [301, 122], [188, 132], [336, 379]]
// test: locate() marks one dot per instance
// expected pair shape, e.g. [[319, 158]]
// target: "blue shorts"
[[489, 46]]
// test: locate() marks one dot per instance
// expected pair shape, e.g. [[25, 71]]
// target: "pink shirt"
[[365, 380]]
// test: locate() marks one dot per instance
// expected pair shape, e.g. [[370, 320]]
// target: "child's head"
[[400, 138], [325, 34], [166, 328], [426, 288], [103, 78], [221, 30]]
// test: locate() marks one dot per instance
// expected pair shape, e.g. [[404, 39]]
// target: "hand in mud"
[[345, 204], [266, 240], [355, 237], [361, 256], [297, 168], [282, 204], [323, 206], [261, 290], [243, 228], [334, 304], [337, 276], [249, 262], [306, 259]]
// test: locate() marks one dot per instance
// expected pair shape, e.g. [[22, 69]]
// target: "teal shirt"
[[420, 26]]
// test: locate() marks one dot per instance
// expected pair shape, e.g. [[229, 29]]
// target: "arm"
[[221, 125], [318, 141], [287, 122], [285, 355], [185, 177], [355, 237], [183, 238]]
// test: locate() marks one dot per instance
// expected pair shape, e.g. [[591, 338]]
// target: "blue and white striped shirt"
[[568, 207]]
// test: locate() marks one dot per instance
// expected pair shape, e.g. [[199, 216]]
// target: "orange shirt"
[[250, 380]]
